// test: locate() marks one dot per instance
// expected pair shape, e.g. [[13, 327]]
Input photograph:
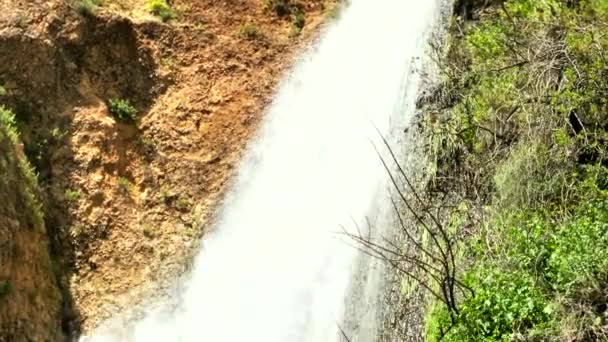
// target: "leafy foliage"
[[298, 22], [161, 9], [125, 185], [122, 110], [8, 122], [8, 129], [534, 275], [524, 138], [87, 7], [72, 195]]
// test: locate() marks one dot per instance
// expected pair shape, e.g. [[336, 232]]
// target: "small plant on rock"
[[125, 185], [87, 7], [250, 31], [8, 122], [161, 9], [72, 195], [297, 23], [122, 110], [183, 204]]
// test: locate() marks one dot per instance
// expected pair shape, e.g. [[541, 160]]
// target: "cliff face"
[[30, 300], [125, 202]]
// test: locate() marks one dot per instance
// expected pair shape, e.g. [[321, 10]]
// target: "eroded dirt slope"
[[28, 287], [127, 203]]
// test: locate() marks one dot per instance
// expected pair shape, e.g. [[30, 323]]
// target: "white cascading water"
[[274, 268]]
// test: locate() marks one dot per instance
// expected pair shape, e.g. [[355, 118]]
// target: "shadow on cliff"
[[49, 77]]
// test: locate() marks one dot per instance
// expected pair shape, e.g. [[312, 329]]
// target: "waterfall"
[[275, 267]]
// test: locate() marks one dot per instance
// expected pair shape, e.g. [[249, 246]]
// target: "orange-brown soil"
[[126, 203]]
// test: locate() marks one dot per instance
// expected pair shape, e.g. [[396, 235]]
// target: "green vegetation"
[[29, 185], [250, 31], [297, 23], [521, 149], [2, 90], [125, 185], [287, 8], [161, 9], [57, 134], [87, 7], [72, 195], [9, 124], [5, 288], [167, 195], [122, 110], [183, 204]]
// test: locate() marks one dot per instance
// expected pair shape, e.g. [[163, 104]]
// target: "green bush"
[[298, 22], [8, 128], [2, 90], [578, 248], [161, 9], [183, 204], [537, 256], [72, 195], [536, 274], [122, 110], [87, 7], [486, 42], [8, 123], [505, 305]]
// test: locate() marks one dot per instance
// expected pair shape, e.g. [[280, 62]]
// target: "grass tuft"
[[87, 8], [250, 31], [122, 110], [161, 9]]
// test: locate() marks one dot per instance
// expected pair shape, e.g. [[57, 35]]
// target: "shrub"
[[57, 134], [250, 31], [161, 9], [87, 7], [123, 110], [183, 204], [2, 90], [8, 122], [8, 127], [536, 256], [505, 304], [72, 195], [298, 22], [536, 270]]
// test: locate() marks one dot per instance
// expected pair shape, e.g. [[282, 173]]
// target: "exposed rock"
[[140, 194]]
